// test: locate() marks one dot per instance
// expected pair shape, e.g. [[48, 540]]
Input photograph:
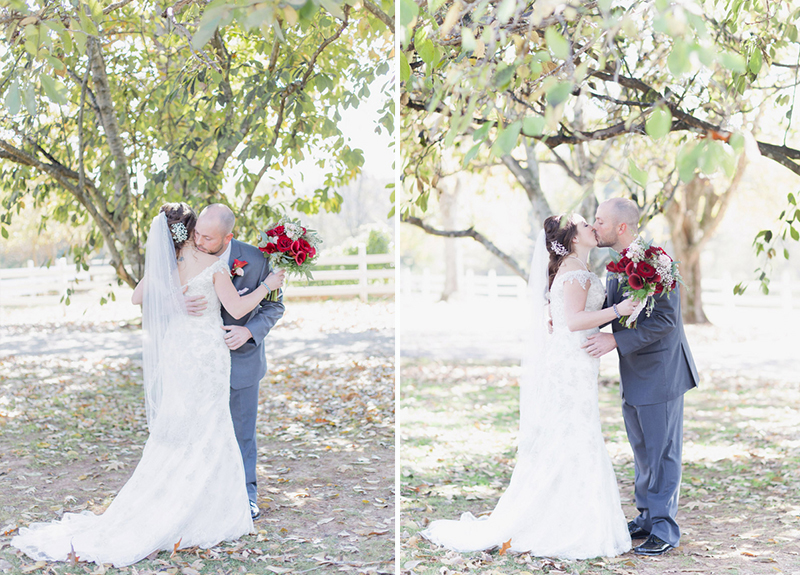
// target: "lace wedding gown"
[[563, 499], [189, 487]]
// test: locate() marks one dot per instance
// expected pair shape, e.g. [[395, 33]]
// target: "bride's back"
[[191, 262]]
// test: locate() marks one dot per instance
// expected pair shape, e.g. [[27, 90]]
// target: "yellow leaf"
[[451, 19], [506, 546], [34, 567], [175, 547], [291, 15]]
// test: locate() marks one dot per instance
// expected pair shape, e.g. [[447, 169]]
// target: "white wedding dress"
[[189, 487], [563, 500]]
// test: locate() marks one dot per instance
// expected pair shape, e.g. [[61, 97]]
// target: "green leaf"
[[533, 126], [557, 44], [208, 24], [333, 8], [659, 123], [87, 25], [503, 75], [54, 89], [736, 141], [4, 233], [558, 93], [733, 62], [426, 51], [13, 98], [473, 151], [434, 5], [405, 69], [795, 233], [507, 139], [639, 176], [468, 41], [678, 60], [481, 133], [506, 10], [756, 60], [30, 99], [408, 12], [687, 161], [791, 199]]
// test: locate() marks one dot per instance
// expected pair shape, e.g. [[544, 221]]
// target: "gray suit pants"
[[655, 433], [244, 411]]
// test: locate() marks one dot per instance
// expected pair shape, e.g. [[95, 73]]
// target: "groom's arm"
[[266, 314], [661, 322]]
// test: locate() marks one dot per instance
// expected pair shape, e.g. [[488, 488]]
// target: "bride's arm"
[[138, 293], [236, 305], [575, 308]]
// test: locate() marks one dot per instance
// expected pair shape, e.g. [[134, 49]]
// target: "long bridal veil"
[[163, 304], [533, 355]]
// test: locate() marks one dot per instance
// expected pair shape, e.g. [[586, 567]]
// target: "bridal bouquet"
[[644, 271], [291, 247]]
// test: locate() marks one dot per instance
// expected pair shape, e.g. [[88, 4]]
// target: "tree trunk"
[[448, 204]]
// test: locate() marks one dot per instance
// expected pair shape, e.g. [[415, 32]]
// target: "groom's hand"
[[195, 304], [600, 344], [237, 336]]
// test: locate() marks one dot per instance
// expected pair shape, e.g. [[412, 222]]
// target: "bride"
[[189, 488], [563, 499]]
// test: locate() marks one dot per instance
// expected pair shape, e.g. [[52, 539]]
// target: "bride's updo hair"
[[559, 231], [179, 213]]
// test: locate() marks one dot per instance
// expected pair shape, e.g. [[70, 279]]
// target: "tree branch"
[[108, 118], [379, 14], [468, 233]]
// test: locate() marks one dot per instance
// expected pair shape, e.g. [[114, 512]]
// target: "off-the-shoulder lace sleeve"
[[584, 277], [218, 266]]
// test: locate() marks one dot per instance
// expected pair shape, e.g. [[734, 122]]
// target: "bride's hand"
[[275, 279], [626, 306]]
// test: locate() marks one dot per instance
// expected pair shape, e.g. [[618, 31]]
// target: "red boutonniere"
[[236, 268]]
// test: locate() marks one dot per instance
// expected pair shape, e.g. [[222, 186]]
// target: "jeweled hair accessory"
[[179, 233], [558, 249]]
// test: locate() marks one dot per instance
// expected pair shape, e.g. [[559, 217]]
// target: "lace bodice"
[[594, 299], [203, 284]]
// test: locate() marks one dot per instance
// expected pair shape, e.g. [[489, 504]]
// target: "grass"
[[740, 499]]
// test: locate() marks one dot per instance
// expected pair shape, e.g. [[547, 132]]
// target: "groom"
[[656, 369], [245, 336]]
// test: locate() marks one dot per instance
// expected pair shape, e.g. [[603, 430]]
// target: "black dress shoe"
[[637, 532], [653, 546], [255, 512]]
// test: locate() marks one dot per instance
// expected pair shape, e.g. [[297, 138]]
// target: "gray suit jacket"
[[655, 362], [249, 363]]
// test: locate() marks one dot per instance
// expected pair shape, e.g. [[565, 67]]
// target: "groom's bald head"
[[221, 215], [214, 229]]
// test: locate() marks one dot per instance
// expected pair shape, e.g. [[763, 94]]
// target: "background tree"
[[570, 83], [110, 111]]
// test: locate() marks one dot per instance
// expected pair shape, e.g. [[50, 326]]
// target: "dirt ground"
[[740, 500], [72, 428]]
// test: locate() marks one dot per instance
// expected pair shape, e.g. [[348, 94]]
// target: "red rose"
[[279, 230], [304, 246], [300, 258], [284, 244], [270, 249], [630, 269], [611, 267], [296, 247], [659, 288], [311, 252], [635, 281], [623, 263], [272, 233], [646, 270], [648, 253]]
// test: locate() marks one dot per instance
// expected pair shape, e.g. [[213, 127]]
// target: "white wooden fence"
[[716, 291], [38, 285]]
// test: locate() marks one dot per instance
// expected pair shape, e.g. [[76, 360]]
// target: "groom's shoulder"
[[248, 249]]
